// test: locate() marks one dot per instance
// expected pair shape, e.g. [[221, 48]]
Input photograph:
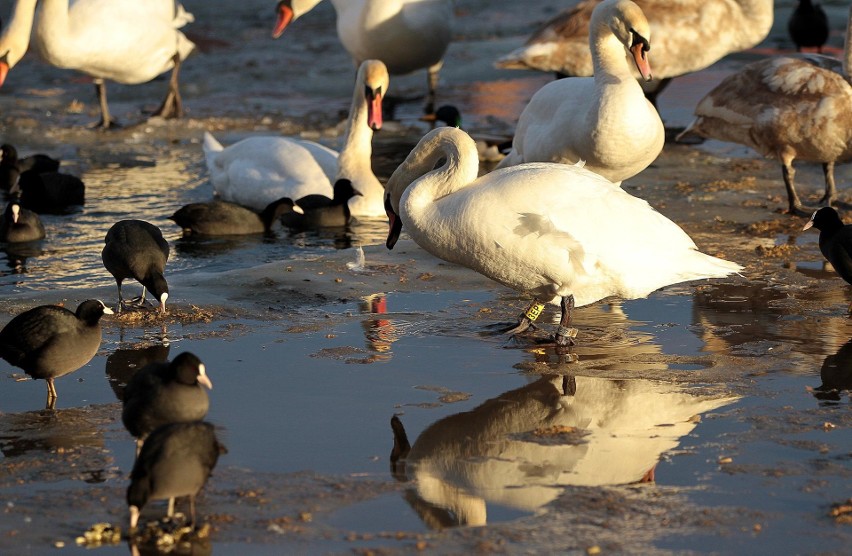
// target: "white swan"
[[786, 107], [604, 120], [127, 41], [258, 170], [407, 35], [689, 35], [496, 453], [558, 232]]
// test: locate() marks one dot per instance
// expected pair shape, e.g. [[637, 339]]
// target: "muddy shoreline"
[[311, 374]]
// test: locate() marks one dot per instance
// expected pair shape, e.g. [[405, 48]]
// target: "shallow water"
[[546, 448]]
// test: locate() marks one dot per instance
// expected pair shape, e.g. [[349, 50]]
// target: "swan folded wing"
[[141, 31], [256, 171]]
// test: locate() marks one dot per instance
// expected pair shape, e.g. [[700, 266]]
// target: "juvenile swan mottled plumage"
[[689, 35], [785, 107], [555, 231]]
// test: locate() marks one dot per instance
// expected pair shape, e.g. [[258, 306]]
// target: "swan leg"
[[100, 91], [795, 205], [527, 318], [564, 333], [432, 77], [172, 106], [830, 189]]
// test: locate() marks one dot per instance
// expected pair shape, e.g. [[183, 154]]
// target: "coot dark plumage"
[[219, 218], [136, 249], [835, 240], [166, 392], [50, 341], [18, 224], [11, 166], [176, 460], [49, 192], [808, 25], [321, 212]]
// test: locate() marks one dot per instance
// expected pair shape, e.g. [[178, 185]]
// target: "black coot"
[[808, 25], [50, 341], [321, 212], [175, 460], [136, 249], [11, 167], [165, 392], [49, 192], [220, 218], [18, 225]]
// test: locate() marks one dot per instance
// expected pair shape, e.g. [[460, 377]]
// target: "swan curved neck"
[[459, 170], [357, 146], [609, 57], [16, 36]]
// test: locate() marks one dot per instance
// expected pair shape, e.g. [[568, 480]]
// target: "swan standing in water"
[[590, 118], [256, 171], [407, 35], [558, 232], [785, 107], [126, 41], [689, 35]]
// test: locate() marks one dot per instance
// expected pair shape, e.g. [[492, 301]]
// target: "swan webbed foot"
[[524, 324], [801, 210]]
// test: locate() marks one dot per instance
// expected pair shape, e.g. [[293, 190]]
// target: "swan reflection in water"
[[522, 448]]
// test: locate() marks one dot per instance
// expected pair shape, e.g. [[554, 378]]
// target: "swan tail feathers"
[[211, 145], [708, 266], [182, 17]]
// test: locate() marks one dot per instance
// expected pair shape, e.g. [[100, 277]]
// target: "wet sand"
[[311, 358]]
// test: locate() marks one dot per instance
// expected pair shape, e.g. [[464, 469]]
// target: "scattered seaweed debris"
[[172, 535], [100, 534], [842, 512]]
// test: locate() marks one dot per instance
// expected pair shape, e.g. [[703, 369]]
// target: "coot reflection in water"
[[74, 433], [123, 363], [17, 255], [836, 375]]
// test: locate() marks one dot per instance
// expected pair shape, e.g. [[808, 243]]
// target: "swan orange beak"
[[374, 111], [4, 71], [285, 16], [394, 224], [639, 49]]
